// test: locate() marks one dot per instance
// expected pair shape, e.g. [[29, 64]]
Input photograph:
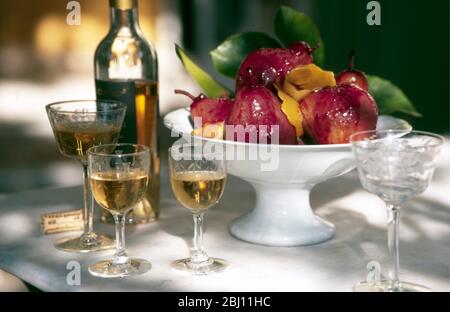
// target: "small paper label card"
[[64, 221]]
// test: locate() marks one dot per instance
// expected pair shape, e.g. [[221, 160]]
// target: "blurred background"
[[42, 59]]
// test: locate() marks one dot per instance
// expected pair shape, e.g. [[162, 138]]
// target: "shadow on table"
[[420, 251], [420, 215]]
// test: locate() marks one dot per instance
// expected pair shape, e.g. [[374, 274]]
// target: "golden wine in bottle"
[[198, 190], [118, 192], [74, 139], [126, 70]]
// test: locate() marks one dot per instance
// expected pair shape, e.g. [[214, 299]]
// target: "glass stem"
[[199, 255], [89, 236], [121, 255], [393, 214]]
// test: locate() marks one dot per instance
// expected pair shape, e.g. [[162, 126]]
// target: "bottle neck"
[[124, 21]]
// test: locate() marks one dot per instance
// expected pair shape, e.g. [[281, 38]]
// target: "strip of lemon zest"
[[290, 108]]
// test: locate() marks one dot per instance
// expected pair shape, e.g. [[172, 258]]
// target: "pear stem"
[[314, 48], [189, 95], [351, 60]]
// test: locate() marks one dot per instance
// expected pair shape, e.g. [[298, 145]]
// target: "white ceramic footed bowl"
[[282, 176]]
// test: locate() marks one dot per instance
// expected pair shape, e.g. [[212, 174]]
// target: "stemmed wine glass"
[[77, 126], [198, 182], [119, 176], [395, 165]]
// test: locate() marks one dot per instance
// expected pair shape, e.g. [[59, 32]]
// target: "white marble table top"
[[331, 266]]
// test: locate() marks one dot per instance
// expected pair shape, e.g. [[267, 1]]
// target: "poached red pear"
[[209, 109], [264, 66], [332, 114], [258, 111], [352, 75]]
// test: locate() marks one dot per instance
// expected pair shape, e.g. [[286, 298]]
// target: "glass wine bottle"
[[126, 69]]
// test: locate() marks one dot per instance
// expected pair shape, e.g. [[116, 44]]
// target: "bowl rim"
[[170, 126]]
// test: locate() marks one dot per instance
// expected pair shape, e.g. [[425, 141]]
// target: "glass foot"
[[106, 268], [83, 245], [212, 265], [386, 286]]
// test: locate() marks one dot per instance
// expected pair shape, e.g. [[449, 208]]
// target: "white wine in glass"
[[198, 190], [198, 183], [119, 192], [74, 139], [119, 178], [77, 126]]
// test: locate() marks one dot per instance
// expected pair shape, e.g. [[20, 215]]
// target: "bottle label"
[[125, 92]]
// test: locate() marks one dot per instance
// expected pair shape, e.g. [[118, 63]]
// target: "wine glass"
[[395, 165], [77, 126], [119, 176], [198, 181]]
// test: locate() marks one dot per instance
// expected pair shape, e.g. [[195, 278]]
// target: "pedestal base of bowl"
[[282, 217]]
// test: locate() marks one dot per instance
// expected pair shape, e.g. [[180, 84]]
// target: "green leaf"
[[228, 56], [211, 87], [291, 26], [390, 98]]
